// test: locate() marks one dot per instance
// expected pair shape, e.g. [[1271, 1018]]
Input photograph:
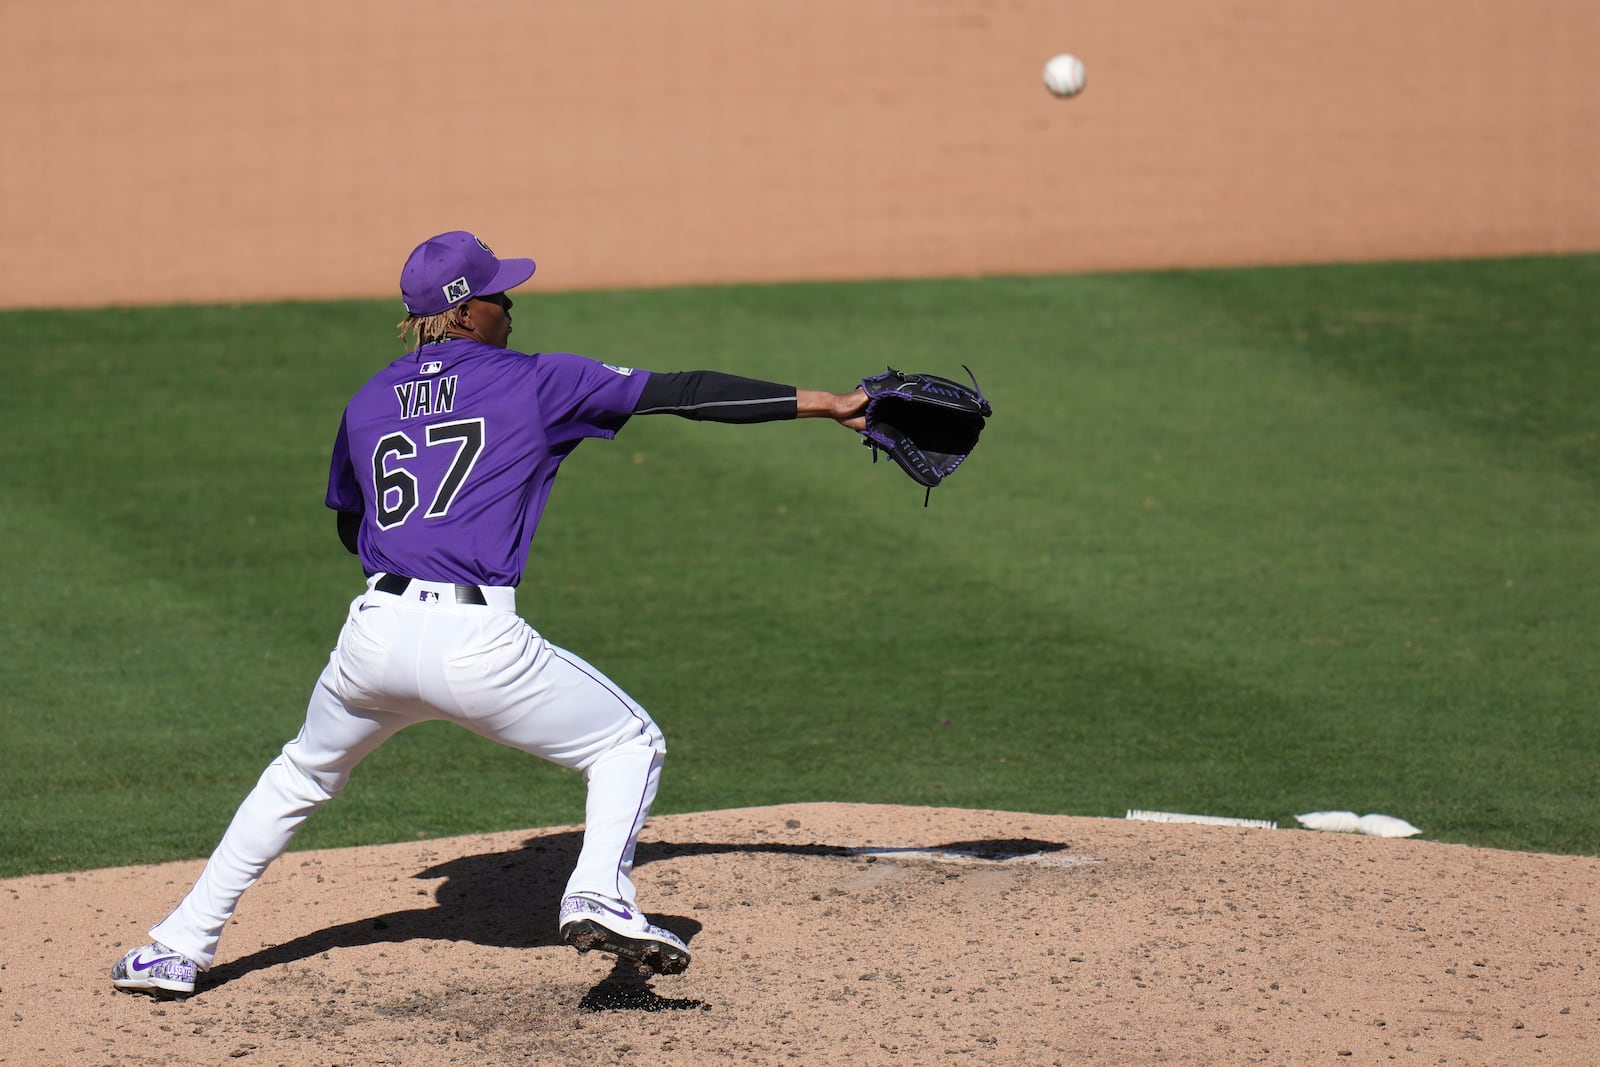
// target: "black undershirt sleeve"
[[711, 396], [349, 523]]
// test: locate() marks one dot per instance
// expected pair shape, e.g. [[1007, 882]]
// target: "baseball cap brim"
[[512, 273]]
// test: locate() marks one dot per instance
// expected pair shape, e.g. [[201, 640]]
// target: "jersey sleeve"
[[583, 397], [344, 491]]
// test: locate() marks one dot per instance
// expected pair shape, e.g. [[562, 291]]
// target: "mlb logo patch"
[[457, 291], [433, 366], [428, 596]]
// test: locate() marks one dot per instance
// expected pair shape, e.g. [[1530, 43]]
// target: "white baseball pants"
[[418, 655]]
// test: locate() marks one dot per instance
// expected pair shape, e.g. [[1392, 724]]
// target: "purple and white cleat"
[[155, 969], [590, 922]]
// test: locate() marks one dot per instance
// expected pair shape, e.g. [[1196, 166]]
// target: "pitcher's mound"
[[845, 934]]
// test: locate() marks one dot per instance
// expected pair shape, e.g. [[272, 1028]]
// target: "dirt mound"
[[838, 933]]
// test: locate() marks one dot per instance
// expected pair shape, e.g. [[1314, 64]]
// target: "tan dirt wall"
[[159, 151]]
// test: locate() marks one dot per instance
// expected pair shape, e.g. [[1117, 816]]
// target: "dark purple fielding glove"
[[926, 424]]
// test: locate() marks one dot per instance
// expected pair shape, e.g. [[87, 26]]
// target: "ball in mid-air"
[[1064, 75]]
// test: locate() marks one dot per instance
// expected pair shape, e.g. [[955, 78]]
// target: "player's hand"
[[847, 409], [850, 409]]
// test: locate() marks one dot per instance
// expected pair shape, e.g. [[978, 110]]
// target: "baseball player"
[[440, 470]]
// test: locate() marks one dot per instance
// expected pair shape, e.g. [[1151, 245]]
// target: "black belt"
[[398, 583]]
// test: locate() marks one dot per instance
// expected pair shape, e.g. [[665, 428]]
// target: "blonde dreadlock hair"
[[428, 328]]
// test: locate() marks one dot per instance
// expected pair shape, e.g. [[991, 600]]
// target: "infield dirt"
[[254, 150], [995, 937]]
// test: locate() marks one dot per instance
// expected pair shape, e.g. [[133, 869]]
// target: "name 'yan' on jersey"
[[449, 454]]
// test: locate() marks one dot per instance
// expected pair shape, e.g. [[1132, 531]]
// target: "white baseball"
[[1064, 75]]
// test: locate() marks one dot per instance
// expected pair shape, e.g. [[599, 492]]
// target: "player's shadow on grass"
[[508, 900]]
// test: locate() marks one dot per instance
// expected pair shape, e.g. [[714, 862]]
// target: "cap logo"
[[458, 290], [483, 246]]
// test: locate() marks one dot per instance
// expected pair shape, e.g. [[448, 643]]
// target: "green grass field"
[[1243, 542]]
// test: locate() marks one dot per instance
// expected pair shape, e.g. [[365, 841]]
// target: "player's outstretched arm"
[[712, 396]]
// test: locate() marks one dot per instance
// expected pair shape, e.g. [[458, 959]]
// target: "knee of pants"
[[303, 783], [650, 737], [648, 744], [656, 739]]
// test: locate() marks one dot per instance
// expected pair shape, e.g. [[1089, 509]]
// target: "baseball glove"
[[926, 424]]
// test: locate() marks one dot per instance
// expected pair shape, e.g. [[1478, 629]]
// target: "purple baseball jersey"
[[450, 452]]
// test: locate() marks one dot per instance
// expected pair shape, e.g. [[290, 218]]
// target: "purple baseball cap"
[[452, 268]]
